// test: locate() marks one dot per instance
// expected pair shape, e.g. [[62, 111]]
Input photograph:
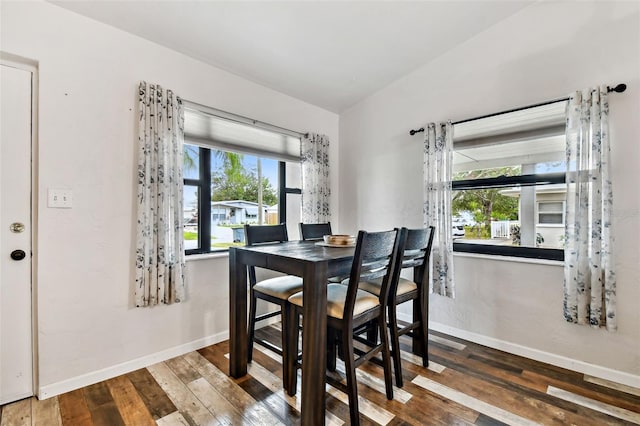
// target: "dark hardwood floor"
[[466, 384]]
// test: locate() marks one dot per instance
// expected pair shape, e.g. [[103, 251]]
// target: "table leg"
[[237, 315], [314, 343]]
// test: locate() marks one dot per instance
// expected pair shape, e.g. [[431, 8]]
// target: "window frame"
[[502, 182], [204, 193]]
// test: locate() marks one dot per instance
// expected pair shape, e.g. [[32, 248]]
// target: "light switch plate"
[[60, 198]]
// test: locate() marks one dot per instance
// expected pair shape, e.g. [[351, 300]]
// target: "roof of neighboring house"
[[559, 188], [249, 206]]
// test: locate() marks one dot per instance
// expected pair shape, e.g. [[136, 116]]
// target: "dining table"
[[315, 263]]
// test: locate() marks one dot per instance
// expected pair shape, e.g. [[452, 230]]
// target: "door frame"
[[26, 64]]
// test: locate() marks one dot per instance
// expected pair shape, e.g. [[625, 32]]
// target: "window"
[[236, 174], [224, 188], [508, 183], [550, 213]]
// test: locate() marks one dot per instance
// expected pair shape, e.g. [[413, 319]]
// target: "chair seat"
[[404, 286], [279, 287], [336, 295]]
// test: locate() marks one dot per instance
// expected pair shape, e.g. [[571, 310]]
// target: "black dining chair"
[[314, 231], [349, 309], [274, 290], [414, 252]]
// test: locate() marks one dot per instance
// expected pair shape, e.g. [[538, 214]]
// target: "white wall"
[[542, 53], [87, 326]]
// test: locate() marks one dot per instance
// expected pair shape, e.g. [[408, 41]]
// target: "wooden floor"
[[465, 384]]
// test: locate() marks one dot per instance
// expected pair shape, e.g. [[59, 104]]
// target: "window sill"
[[205, 256], [509, 258]]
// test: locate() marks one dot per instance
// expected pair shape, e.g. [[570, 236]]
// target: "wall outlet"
[[60, 198]]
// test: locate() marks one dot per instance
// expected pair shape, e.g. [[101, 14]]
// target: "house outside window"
[[236, 174], [508, 183]]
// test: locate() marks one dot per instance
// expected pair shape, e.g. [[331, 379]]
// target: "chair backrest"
[[414, 252], [375, 257], [263, 234], [314, 231]]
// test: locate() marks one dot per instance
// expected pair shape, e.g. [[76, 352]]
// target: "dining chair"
[[314, 231], [349, 309], [414, 252], [274, 290]]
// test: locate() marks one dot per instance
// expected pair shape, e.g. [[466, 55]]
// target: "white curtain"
[[589, 277], [438, 164], [160, 258], [316, 191]]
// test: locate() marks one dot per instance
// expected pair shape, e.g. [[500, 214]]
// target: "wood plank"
[[173, 419], [17, 413], [222, 410], [46, 412], [102, 406], [183, 370], [154, 398], [129, 403], [74, 409], [612, 385], [252, 410], [189, 406]]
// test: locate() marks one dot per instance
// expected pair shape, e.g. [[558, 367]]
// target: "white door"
[[16, 366]]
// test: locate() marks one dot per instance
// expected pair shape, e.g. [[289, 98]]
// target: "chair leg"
[[395, 345], [252, 324], [352, 384], [290, 322], [423, 330], [386, 357], [332, 352]]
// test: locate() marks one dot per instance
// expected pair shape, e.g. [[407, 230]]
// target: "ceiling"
[[328, 53]]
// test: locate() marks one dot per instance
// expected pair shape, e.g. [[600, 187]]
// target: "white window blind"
[[228, 132]]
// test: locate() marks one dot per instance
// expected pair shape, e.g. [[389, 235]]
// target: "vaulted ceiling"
[[329, 53]]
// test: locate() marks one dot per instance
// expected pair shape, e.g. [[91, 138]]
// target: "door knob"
[[18, 254]]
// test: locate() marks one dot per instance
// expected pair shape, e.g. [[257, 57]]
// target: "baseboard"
[[78, 382], [535, 354]]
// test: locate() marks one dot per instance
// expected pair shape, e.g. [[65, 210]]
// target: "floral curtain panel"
[[160, 259], [314, 157], [589, 277], [438, 164]]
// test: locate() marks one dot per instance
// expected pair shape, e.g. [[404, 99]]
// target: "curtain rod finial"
[[413, 132], [618, 89]]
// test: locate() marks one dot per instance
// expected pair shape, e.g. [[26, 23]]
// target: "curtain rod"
[[241, 119], [618, 89]]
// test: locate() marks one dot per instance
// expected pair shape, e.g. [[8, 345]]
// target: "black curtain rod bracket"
[[619, 88]]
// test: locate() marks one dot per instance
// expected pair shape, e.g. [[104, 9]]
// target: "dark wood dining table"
[[314, 263]]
